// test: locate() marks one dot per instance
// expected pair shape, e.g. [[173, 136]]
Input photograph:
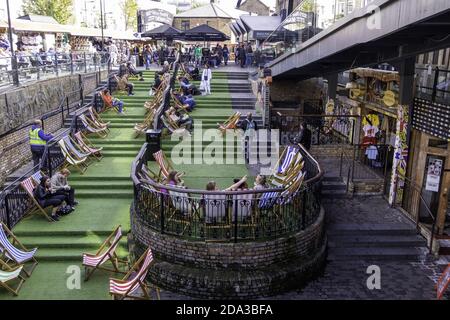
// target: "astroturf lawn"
[[105, 193]]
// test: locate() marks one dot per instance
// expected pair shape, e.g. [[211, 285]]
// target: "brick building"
[[255, 6]]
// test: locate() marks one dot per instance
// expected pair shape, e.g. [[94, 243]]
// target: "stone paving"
[[347, 280]]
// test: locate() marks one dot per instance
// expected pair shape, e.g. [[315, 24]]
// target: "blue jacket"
[[43, 136]]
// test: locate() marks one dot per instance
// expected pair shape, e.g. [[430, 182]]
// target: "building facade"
[[255, 6]]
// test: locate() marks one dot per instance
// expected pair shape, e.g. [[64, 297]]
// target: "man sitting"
[[185, 85], [60, 186], [110, 100], [132, 71], [182, 121], [188, 101]]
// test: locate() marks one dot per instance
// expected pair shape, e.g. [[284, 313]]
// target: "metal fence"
[[33, 67], [221, 216]]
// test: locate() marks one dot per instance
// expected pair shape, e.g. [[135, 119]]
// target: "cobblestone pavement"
[[347, 280]]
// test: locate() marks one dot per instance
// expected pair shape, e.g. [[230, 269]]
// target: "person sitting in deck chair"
[[109, 99], [187, 101], [212, 185], [182, 121], [60, 186], [156, 84], [185, 85], [173, 180], [46, 198], [133, 71]]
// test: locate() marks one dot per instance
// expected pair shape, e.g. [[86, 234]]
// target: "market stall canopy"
[[163, 32], [38, 18], [204, 33]]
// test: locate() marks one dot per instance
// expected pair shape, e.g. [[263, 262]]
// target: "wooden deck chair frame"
[[168, 166], [291, 169], [112, 257], [107, 106], [193, 210], [88, 146], [144, 286], [121, 83], [70, 160], [186, 74], [16, 243], [230, 124], [79, 150], [222, 225], [37, 207], [141, 128], [177, 104], [17, 270], [95, 124], [97, 118], [91, 128], [79, 146], [170, 124]]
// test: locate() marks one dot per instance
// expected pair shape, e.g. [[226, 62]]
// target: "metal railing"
[[34, 67], [226, 216], [433, 84]]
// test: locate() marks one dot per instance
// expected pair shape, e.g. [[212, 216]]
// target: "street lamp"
[[15, 72]]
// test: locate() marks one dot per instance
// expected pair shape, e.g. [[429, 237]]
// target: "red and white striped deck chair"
[[12, 250], [128, 287], [230, 124], [37, 177], [107, 252], [165, 166], [29, 186], [87, 145]]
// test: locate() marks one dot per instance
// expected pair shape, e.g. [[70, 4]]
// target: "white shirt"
[[206, 72]]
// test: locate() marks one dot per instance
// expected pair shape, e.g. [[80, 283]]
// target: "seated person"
[[123, 70], [188, 101], [109, 99], [212, 185], [132, 70], [185, 85], [45, 198], [173, 180], [195, 74], [60, 186], [128, 85], [165, 69], [157, 82], [182, 121]]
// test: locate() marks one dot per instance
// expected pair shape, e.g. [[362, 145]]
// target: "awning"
[[205, 33], [163, 32]]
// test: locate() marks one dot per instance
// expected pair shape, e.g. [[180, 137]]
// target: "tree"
[[130, 9], [61, 10]]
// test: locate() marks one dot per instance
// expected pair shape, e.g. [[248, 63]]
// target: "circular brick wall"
[[231, 270]]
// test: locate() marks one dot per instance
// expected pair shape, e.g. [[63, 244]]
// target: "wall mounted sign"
[[434, 174], [389, 98]]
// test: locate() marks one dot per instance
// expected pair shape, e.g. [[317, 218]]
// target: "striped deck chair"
[[177, 104], [14, 251], [173, 127], [91, 127], [70, 160], [141, 128], [95, 117], [165, 165], [230, 124], [268, 200], [75, 149], [29, 186], [87, 146], [106, 252], [6, 277], [291, 159], [134, 280], [36, 177]]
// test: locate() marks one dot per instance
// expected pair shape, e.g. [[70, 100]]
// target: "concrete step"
[[335, 194], [377, 253], [369, 241], [352, 229], [331, 185]]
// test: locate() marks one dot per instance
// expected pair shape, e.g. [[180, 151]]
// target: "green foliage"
[[307, 6], [130, 9], [61, 10]]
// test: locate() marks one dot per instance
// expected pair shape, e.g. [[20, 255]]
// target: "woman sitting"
[[181, 121], [111, 101], [173, 180], [212, 185], [46, 198]]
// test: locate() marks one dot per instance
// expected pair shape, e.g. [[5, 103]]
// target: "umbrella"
[[205, 33], [163, 32]]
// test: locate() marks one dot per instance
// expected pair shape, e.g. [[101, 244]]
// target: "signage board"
[[389, 98], [434, 174]]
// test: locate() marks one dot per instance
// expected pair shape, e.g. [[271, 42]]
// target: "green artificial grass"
[[105, 193]]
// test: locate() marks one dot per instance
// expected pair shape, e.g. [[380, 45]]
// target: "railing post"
[[8, 212], [85, 62], [435, 83], [49, 162], [235, 219], [56, 65], [71, 63], [340, 167], [15, 70], [162, 213]]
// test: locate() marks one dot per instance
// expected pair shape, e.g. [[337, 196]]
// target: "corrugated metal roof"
[[38, 18]]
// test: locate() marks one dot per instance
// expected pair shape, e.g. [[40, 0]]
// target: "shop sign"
[[443, 282], [355, 93], [156, 15], [434, 175], [389, 98]]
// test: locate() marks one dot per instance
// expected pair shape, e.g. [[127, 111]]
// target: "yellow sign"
[[389, 98], [355, 93]]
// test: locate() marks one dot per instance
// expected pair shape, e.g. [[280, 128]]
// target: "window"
[[185, 25]]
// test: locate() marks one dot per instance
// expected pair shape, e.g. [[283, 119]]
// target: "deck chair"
[[28, 185], [14, 251], [230, 124], [106, 253], [87, 146], [177, 104], [141, 128], [76, 150], [186, 73], [121, 83], [215, 208], [71, 160], [36, 177], [289, 163], [165, 165], [95, 117], [92, 128], [106, 105], [173, 127], [10, 275], [128, 287]]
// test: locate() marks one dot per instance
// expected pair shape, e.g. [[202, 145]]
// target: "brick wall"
[[22, 105], [287, 90], [216, 270], [255, 6]]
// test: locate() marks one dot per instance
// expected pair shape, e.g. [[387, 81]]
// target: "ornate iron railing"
[[226, 216]]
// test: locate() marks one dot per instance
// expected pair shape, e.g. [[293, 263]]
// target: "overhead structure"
[[164, 32], [205, 33]]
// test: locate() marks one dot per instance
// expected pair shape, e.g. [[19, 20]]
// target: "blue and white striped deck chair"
[[11, 253], [288, 161], [37, 177], [91, 128], [268, 200]]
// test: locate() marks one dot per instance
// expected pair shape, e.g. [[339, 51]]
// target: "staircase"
[[375, 242], [334, 188]]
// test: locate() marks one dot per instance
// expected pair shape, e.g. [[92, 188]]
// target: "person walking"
[[242, 55], [206, 79], [226, 54], [305, 136], [198, 53], [148, 54], [38, 141]]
